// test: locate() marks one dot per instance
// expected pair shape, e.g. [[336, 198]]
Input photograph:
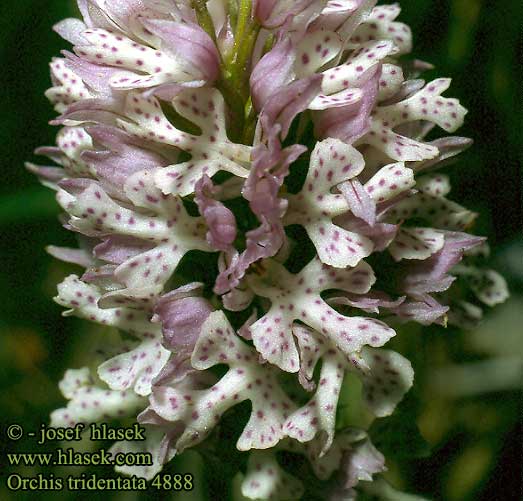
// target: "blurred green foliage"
[[475, 438]]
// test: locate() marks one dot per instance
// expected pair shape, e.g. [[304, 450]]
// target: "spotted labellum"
[[259, 212]]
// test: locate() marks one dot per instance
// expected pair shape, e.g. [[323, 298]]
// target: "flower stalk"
[[234, 81]]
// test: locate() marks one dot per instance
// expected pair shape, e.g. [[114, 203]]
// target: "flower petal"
[[332, 162], [181, 318], [380, 25], [151, 446], [272, 334], [488, 285], [386, 377], [361, 462], [135, 363], [273, 71], [416, 243], [426, 104], [220, 220], [89, 403], [172, 231], [189, 42], [246, 379], [389, 377], [265, 479], [210, 152], [123, 157]]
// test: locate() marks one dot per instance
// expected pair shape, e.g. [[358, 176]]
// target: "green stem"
[[204, 18], [232, 9], [235, 103], [244, 56], [242, 24], [233, 83], [245, 36], [250, 123]]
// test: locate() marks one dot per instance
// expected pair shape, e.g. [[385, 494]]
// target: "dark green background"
[[476, 42]]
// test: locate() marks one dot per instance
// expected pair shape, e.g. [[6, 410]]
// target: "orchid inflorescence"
[[285, 145]]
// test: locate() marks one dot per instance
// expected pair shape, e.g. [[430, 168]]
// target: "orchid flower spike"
[[281, 144]]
